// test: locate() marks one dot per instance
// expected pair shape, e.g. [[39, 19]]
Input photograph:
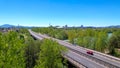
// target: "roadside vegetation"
[[12, 50], [19, 50], [105, 40], [50, 55]]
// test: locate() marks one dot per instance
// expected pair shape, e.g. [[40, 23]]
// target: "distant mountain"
[[11, 26], [6, 26]]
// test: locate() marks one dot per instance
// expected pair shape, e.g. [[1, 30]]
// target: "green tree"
[[101, 41], [114, 42], [32, 52], [50, 55], [71, 35], [11, 50]]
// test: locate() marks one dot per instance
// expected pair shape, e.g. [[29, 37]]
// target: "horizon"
[[59, 26], [41, 13]]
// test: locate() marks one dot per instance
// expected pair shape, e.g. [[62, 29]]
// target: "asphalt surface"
[[85, 61]]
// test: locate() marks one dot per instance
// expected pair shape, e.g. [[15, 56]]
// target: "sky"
[[60, 12]]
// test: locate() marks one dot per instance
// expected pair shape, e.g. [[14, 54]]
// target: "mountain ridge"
[[12, 26]]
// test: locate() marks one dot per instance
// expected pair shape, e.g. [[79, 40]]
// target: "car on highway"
[[89, 52]]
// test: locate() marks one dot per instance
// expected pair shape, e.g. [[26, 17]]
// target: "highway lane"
[[115, 60], [84, 51], [85, 61]]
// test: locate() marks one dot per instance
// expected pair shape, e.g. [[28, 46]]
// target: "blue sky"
[[60, 12]]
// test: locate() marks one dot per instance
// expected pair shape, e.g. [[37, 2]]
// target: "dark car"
[[90, 52]]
